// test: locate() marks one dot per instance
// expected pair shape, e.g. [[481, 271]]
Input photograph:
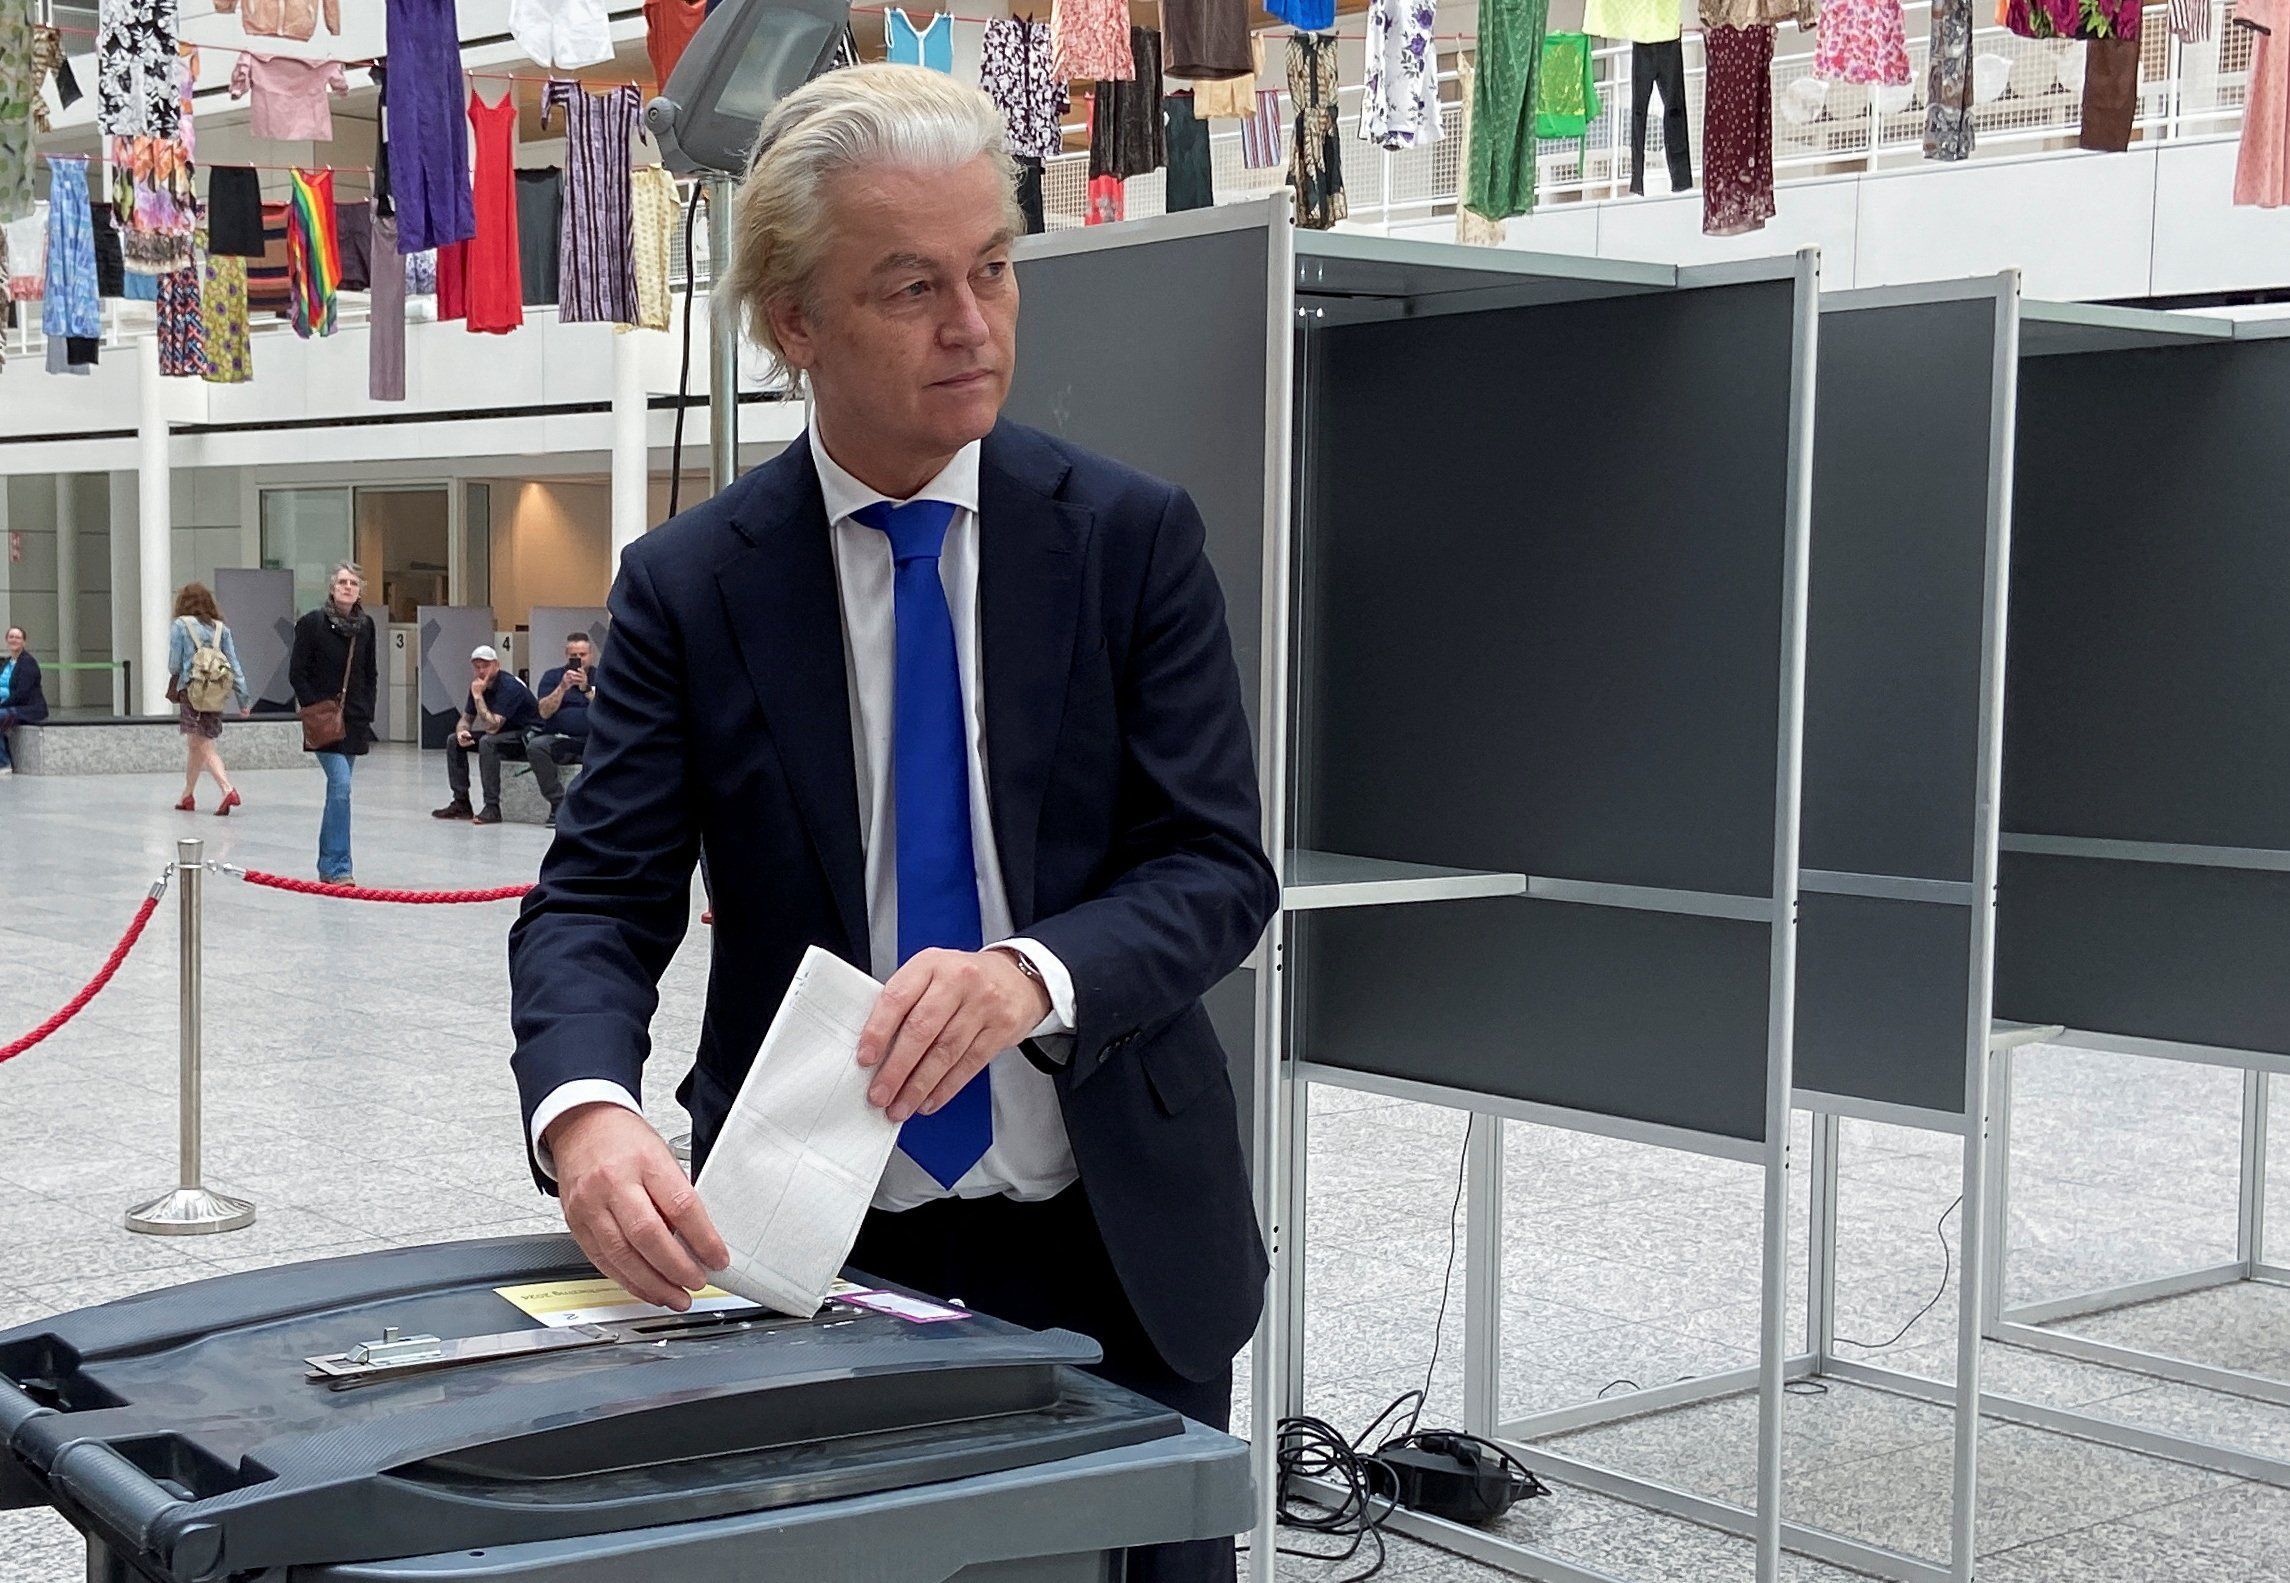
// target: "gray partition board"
[[2058, 329], [1337, 271], [1896, 636], [1315, 880], [2147, 720], [1562, 663], [1144, 343], [258, 602], [1149, 349]]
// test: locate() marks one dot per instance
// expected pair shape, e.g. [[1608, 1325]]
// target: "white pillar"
[[155, 533], [631, 463], [125, 608], [67, 647]]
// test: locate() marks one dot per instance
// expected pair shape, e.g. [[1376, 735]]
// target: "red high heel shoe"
[[189, 804], [230, 801]]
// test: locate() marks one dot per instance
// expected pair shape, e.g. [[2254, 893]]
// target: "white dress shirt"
[[1030, 1157]]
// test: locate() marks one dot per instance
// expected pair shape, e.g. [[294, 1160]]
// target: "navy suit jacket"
[[1124, 805]]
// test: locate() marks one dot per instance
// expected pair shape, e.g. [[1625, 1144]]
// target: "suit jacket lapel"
[[785, 613], [1030, 563]]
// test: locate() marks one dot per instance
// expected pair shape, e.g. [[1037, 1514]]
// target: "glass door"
[[306, 531]]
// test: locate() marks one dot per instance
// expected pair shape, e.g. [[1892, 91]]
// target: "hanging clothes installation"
[[1108, 202], [155, 199], [1231, 98], [1948, 131], [1737, 129], [596, 272], [1305, 16], [1029, 188], [2073, 18], [1399, 107], [1192, 184], [1499, 166], [1206, 40], [1471, 228], [1260, 146], [386, 317], [290, 95], [1015, 68], [1862, 41], [27, 241], [2190, 21], [1566, 93], [653, 200], [1090, 39], [1126, 134], [223, 321], [313, 262], [427, 127], [452, 281], [931, 45], [496, 294], [563, 35], [668, 28], [295, 19], [1316, 158], [269, 287], [135, 69], [540, 216], [2262, 163]]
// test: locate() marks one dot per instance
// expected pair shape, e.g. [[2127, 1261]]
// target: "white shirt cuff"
[[1055, 979], [566, 1096]]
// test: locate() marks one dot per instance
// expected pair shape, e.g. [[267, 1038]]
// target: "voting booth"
[[451, 1412]]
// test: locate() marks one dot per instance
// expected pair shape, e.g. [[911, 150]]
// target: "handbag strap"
[[348, 659]]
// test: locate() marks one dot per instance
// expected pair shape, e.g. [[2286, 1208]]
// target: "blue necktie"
[[930, 784]]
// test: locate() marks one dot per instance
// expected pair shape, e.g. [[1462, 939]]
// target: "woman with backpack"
[[206, 676], [334, 664]]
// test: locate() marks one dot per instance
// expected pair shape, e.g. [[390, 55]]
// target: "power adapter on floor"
[[1454, 1476]]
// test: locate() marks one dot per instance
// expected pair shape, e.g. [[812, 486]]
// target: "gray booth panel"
[[2150, 632], [1657, 1017], [1543, 553], [1896, 589], [2154, 950], [1882, 987], [258, 602], [1154, 353]]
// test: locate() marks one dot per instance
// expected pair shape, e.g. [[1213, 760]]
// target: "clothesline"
[[231, 164]]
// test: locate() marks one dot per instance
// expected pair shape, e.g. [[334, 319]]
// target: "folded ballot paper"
[[798, 1159]]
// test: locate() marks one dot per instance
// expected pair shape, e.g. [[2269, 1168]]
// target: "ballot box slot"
[[47, 1369], [790, 1415]]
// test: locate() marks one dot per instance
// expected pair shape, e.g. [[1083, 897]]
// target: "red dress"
[[496, 291]]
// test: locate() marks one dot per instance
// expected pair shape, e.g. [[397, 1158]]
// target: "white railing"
[[2028, 98]]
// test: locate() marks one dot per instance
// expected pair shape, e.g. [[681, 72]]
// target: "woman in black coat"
[[334, 658], [22, 703]]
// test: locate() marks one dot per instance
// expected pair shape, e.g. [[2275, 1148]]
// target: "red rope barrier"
[[78, 1002], [418, 898]]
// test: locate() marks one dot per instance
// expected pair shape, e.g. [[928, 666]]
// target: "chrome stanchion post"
[[190, 1210]]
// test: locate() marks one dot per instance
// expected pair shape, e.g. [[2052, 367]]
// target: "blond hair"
[[860, 116]]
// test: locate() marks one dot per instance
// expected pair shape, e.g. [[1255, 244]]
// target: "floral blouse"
[[1090, 38], [1016, 68], [1401, 107]]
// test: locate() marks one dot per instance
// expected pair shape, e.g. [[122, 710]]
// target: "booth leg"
[[2250, 1206], [1483, 1276]]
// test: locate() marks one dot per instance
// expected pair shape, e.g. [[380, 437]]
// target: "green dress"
[[1499, 178], [1566, 95]]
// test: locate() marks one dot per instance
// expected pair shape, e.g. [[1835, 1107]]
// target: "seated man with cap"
[[500, 711]]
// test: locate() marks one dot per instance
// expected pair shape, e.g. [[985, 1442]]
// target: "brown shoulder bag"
[[322, 722]]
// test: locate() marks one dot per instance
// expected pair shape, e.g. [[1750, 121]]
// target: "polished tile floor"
[[358, 1091]]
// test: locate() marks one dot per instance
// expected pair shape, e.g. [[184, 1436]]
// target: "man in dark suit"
[[956, 701]]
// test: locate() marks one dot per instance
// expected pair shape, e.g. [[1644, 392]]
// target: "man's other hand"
[[940, 1020], [630, 1206]]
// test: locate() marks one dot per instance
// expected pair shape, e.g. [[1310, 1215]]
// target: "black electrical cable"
[[1947, 1269], [684, 376]]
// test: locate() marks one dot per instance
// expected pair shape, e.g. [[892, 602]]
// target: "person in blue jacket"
[[199, 625], [22, 703]]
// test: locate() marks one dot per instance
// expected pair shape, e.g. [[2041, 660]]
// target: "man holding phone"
[[564, 696]]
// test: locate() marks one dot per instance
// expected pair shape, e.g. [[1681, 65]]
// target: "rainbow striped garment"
[[313, 252]]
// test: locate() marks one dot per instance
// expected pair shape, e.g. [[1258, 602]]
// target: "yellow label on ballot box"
[[602, 1302]]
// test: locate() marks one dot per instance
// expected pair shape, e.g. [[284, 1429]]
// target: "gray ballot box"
[[392, 1416]]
